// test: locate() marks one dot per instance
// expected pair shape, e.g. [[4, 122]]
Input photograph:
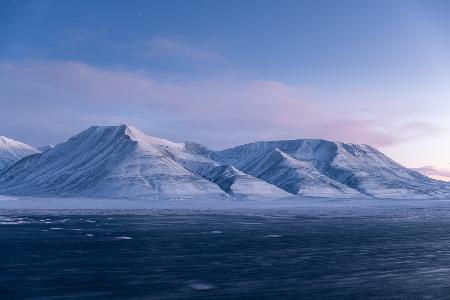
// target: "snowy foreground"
[[320, 207]]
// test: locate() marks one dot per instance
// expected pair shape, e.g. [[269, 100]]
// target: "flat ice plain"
[[414, 208]]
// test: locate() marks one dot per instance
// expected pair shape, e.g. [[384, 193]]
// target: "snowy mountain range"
[[12, 151], [323, 168], [122, 162]]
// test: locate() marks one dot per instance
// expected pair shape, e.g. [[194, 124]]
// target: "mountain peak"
[[124, 131], [8, 143], [12, 151]]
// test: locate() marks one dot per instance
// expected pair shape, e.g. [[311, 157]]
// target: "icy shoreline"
[[312, 207]]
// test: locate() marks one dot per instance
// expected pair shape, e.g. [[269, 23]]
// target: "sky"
[[223, 73]]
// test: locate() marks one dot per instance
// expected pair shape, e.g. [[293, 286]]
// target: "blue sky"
[[229, 72]]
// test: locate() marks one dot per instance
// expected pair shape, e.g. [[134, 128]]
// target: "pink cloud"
[[220, 112], [441, 174]]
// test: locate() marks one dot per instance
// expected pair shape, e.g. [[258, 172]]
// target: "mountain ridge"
[[123, 162], [358, 166], [12, 151], [119, 162]]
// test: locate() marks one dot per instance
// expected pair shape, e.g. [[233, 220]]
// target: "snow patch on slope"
[[12, 151]]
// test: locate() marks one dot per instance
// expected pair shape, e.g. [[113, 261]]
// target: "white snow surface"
[[12, 151], [292, 207]]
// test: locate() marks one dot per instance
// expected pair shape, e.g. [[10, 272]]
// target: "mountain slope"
[[295, 176], [228, 178], [121, 161], [115, 161], [240, 184], [313, 166], [12, 151]]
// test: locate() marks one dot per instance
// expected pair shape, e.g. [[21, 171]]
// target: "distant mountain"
[[122, 162], [12, 151], [324, 168], [298, 177], [430, 171]]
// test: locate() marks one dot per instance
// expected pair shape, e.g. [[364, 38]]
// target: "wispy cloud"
[[42, 100], [441, 174]]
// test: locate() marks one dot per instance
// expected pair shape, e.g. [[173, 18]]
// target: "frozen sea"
[[296, 249]]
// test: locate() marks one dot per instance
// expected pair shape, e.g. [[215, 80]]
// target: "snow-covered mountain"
[[227, 177], [12, 151], [121, 161], [295, 176], [324, 168]]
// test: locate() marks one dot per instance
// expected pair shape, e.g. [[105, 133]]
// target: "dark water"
[[177, 256]]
